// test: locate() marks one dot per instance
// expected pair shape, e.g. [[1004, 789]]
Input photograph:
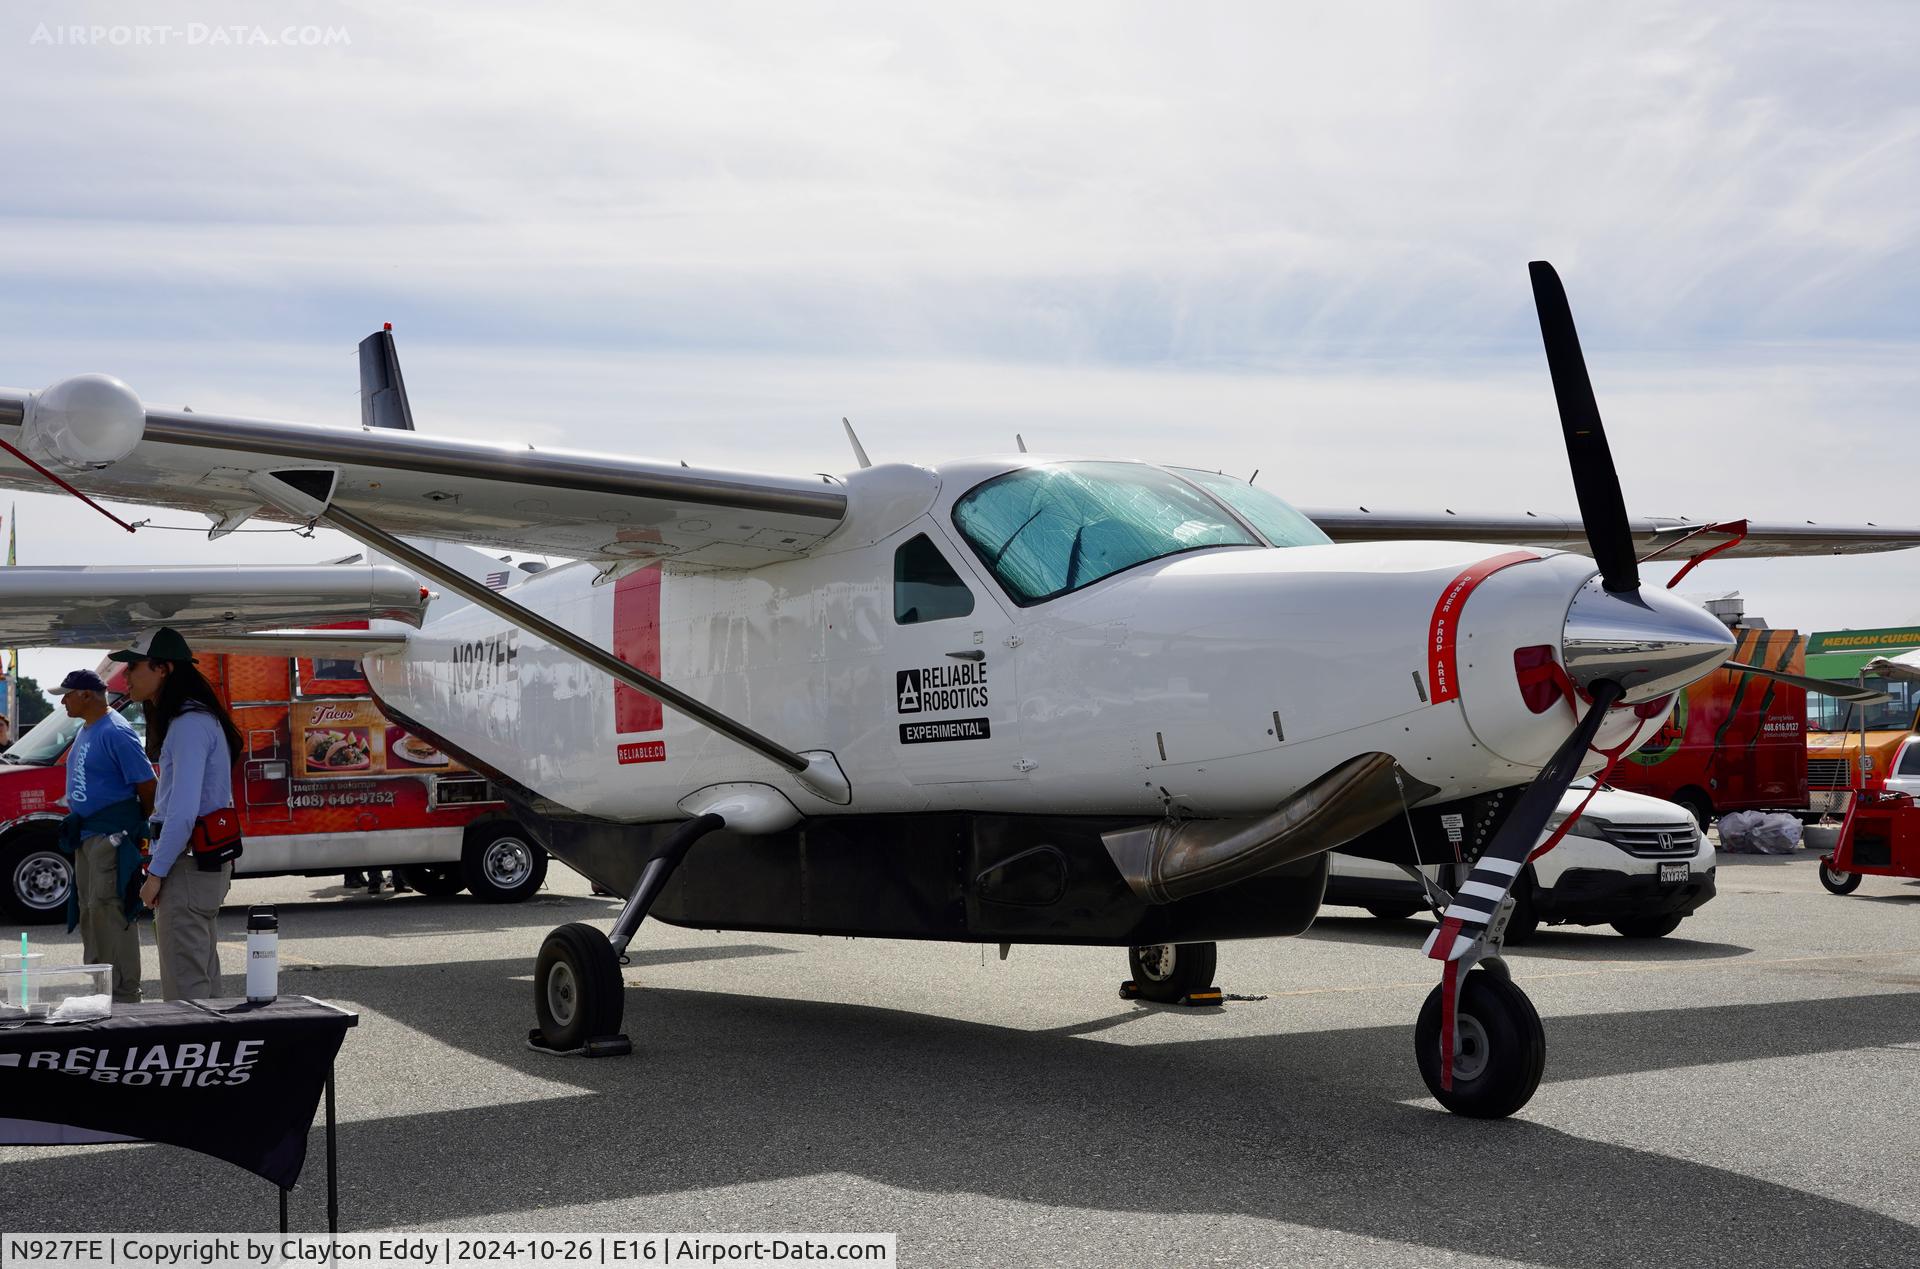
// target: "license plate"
[[1673, 874]]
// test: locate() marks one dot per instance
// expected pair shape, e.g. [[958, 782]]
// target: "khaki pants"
[[183, 926], [106, 936]]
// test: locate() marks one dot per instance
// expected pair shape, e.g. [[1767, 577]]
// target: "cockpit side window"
[[925, 587], [1045, 531]]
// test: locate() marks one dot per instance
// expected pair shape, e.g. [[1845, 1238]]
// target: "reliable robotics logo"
[[932, 689], [221, 1062]]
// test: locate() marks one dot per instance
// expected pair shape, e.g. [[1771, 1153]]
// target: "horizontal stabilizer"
[[106, 605]]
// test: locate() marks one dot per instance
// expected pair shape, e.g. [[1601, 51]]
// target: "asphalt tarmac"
[[1744, 1092]]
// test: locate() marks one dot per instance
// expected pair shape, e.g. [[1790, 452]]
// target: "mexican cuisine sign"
[[1889, 639]]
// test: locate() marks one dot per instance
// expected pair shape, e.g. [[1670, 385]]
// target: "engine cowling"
[[83, 424]]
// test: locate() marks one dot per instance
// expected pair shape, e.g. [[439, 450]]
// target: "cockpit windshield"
[[1276, 519], [1045, 531]]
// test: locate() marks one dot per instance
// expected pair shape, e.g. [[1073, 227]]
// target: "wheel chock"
[[1209, 998], [598, 1047]]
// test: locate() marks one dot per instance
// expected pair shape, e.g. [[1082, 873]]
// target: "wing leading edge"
[[1650, 534]]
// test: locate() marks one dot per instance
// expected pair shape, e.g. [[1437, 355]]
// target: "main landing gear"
[[579, 997], [1173, 973]]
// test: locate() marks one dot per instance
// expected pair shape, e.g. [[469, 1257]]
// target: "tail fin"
[[383, 393]]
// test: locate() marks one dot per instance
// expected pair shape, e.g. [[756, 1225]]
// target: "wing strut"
[[817, 771]]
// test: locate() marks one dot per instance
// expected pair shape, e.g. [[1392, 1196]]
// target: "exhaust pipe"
[[1175, 859]]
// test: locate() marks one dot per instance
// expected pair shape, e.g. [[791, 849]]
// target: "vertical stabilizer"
[[383, 393]]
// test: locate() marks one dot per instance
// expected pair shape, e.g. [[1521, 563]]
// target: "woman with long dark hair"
[[194, 744]]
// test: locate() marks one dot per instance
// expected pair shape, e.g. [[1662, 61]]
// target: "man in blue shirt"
[[110, 787]]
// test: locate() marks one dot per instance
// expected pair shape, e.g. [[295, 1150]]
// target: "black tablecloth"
[[237, 1081]]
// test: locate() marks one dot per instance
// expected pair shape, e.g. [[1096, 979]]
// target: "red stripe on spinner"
[[1444, 630]]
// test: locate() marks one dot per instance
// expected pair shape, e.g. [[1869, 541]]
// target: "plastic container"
[[64, 993]]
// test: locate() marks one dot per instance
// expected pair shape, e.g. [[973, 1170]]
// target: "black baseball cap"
[[164, 644], [81, 681]]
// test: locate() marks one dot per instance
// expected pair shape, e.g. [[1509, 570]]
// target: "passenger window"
[[925, 587], [1910, 761]]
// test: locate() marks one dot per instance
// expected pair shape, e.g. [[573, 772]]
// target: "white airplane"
[[1013, 699]]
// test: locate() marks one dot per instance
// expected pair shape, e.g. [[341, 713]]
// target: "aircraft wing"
[[1361, 524], [502, 496], [107, 606]]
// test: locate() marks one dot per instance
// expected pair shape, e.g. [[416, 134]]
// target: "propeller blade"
[[1822, 687], [1595, 483], [1496, 870]]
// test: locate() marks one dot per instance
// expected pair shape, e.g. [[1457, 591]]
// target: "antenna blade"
[[859, 450]]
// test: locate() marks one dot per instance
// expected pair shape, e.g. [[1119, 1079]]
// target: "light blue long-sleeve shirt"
[[196, 776]]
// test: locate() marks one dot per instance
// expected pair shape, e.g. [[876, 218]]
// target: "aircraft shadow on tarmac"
[[1304, 1128], [417, 915], [1569, 942]]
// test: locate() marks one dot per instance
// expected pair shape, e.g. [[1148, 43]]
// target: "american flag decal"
[[498, 581]]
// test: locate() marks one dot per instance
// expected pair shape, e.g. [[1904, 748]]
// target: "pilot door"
[[952, 704]]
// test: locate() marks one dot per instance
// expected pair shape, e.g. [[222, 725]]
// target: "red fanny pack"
[[216, 838]]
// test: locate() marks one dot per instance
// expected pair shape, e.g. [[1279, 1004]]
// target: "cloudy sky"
[[1237, 235]]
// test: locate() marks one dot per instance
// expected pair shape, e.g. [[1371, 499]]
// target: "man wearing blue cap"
[[109, 799]]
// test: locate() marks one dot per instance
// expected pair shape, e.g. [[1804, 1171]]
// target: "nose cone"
[[1650, 642]]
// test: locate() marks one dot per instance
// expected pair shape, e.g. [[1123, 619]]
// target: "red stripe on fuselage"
[[636, 640], [1443, 673]]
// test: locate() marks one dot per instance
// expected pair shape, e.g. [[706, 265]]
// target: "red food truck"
[[1733, 742], [327, 785]]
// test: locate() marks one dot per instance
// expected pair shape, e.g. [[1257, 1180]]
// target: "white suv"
[[1636, 863]]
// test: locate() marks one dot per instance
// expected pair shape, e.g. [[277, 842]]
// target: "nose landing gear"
[[1500, 1048]]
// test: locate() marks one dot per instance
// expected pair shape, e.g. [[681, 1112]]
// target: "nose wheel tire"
[[1502, 1048], [1165, 972], [577, 992], [1838, 881]]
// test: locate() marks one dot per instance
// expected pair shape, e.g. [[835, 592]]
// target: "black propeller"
[[1595, 483], [1506, 854]]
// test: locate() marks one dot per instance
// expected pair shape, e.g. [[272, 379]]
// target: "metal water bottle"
[[263, 954]]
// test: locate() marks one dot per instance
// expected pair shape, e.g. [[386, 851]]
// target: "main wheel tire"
[[35, 878], [1395, 911], [1164, 972], [1838, 881], [1655, 927], [577, 992], [1697, 805], [1503, 1048], [1525, 921], [501, 864], [440, 880]]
